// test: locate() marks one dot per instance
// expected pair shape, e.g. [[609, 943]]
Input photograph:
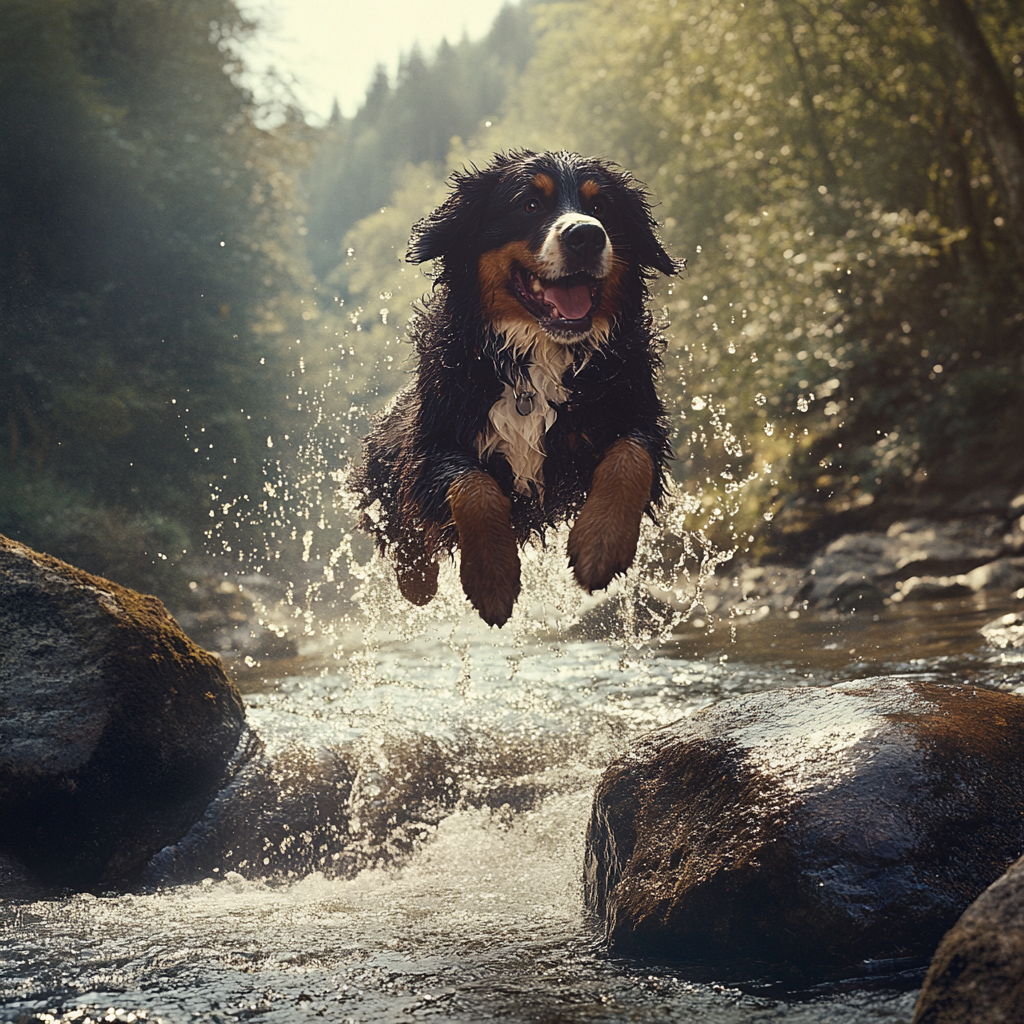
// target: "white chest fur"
[[521, 438]]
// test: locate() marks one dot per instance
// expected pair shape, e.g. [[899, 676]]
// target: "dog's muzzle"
[[565, 290]]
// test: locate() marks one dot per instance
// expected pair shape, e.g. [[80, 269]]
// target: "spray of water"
[[341, 598]]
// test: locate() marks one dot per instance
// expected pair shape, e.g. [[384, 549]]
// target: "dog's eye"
[[532, 205], [597, 207]]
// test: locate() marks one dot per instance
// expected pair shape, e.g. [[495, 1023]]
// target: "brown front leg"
[[603, 541], [490, 555], [416, 569]]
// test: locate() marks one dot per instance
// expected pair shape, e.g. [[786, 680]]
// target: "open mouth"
[[564, 305]]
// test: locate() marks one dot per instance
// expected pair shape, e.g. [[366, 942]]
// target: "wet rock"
[[867, 553], [115, 729], [917, 548], [338, 810], [977, 973], [1005, 632], [743, 593], [861, 571], [917, 559], [284, 816], [930, 588], [771, 586], [810, 825], [854, 592], [1003, 574], [628, 615], [923, 547]]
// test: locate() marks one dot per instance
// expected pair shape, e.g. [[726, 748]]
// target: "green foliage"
[[144, 550], [853, 290], [382, 288], [360, 162], [150, 269], [849, 329]]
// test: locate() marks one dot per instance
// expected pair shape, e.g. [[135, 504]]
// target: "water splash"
[[341, 599]]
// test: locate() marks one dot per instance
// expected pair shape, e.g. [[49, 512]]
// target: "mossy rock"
[[115, 729]]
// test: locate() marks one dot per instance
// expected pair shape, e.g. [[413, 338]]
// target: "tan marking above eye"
[[545, 183], [589, 189]]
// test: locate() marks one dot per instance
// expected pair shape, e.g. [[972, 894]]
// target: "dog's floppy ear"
[[643, 239], [651, 253], [457, 219]]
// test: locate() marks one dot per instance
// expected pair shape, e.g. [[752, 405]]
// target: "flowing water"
[[475, 755]]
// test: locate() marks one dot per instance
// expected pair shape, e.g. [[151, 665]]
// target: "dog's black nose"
[[585, 240]]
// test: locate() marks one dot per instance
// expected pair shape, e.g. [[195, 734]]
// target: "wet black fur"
[[428, 438]]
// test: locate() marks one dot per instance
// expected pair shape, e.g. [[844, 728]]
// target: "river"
[[473, 911]]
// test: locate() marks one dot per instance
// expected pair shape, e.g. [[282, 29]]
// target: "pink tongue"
[[572, 303]]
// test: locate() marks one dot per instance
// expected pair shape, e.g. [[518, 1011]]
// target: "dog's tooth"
[[536, 286]]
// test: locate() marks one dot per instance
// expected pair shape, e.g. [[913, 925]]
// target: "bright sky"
[[329, 48]]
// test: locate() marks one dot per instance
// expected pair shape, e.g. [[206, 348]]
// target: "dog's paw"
[[417, 580], [602, 544], [603, 541], [492, 588], [487, 544]]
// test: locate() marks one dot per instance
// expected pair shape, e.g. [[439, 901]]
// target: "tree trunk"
[[817, 136], [993, 101]]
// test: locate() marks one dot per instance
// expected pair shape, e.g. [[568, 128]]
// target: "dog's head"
[[550, 242]]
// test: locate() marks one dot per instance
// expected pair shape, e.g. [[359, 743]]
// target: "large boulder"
[[115, 729], [977, 974], [809, 826]]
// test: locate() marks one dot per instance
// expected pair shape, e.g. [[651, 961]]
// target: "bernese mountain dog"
[[534, 400]]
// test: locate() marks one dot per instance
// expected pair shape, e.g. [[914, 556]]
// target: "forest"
[[202, 296]]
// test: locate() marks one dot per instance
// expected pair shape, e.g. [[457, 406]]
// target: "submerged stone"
[[809, 826], [1006, 631], [931, 588], [115, 729], [1002, 574], [977, 973], [853, 592]]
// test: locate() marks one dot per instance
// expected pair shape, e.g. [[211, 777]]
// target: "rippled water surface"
[[479, 915]]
